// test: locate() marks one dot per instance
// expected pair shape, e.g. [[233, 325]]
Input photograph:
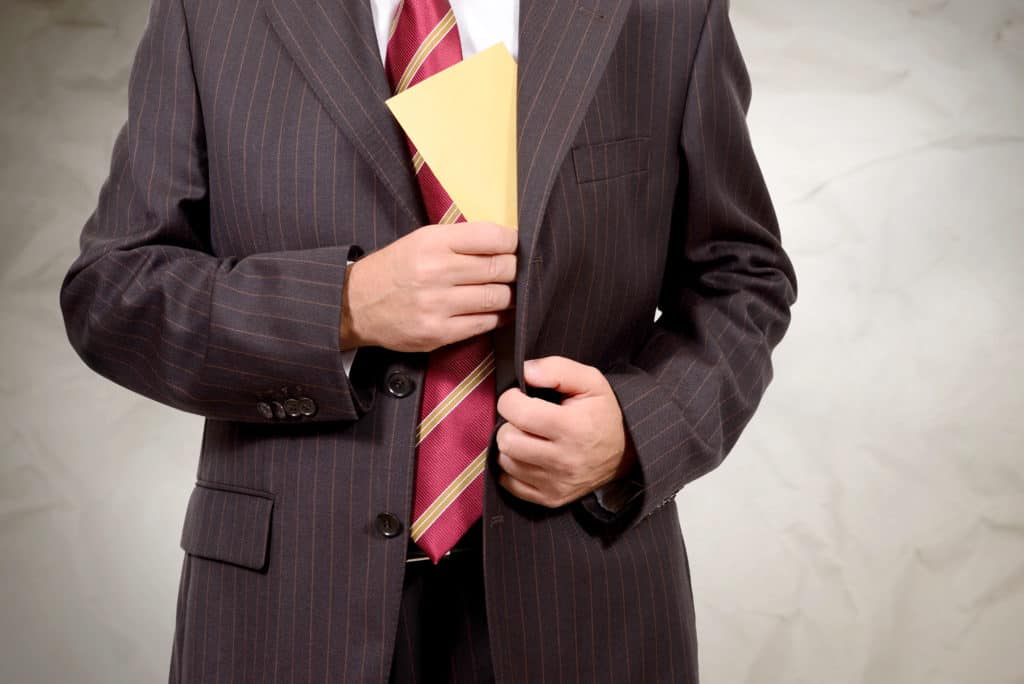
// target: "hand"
[[437, 285], [552, 454]]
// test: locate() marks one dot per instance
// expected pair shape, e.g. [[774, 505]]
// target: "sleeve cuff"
[[612, 501], [615, 496]]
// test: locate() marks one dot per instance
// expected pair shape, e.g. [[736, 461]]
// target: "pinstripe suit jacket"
[[258, 157]]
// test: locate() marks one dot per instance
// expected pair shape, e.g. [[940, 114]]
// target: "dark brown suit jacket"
[[258, 156]]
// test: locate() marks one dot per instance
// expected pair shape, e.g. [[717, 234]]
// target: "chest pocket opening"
[[612, 159]]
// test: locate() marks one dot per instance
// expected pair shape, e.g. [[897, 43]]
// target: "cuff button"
[[307, 406], [278, 408]]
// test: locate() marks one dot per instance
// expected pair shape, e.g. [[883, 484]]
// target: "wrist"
[[348, 331], [628, 460]]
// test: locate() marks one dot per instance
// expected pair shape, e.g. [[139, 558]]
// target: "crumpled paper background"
[[869, 525]]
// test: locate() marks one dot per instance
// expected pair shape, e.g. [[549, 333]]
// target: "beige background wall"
[[868, 527]]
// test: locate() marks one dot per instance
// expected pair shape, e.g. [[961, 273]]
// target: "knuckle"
[[426, 326], [565, 466], [417, 339], [555, 500], [501, 439], [438, 331], [502, 407], [578, 478], [489, 297], [417, 271], [409, 341]]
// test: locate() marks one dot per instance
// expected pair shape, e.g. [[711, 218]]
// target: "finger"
[[471, 299], [524, 491], [525, 472], [481, 237], [526, 448], [468, 325], [532, 414], [468, 269], [564, 375]]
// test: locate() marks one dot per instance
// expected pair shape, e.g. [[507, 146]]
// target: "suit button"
[[400, 384], [265, 410], [307, 406], [291, 407], [278, 409], [388, 525]]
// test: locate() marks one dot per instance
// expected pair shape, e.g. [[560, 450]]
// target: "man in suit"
[[267, 253]]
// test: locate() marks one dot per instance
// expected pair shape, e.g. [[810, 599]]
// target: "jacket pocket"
[[610, 159], [227, 524]]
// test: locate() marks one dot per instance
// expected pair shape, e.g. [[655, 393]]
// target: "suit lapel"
[[334, 45], [564, 47]]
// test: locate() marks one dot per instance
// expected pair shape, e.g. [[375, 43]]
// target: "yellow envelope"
[[463, 121]]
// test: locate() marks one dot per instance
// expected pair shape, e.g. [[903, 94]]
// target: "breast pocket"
[[610, 159]]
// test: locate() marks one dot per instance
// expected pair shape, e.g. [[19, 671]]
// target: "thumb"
[[560, 373]]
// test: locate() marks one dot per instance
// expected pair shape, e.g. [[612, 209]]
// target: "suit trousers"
[[442, 625]]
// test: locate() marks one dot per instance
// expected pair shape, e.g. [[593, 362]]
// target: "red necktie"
[[458, 409]]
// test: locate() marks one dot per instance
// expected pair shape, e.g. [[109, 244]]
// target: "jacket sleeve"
[[725, 296], [148, 305]]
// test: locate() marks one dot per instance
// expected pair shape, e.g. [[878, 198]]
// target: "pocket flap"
[[227, 525], [610, 159]]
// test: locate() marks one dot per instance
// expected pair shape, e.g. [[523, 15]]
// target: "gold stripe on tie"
[[451, 215], [455, 397], [432, 40], [446, 497], [394, 20], [417, 161]]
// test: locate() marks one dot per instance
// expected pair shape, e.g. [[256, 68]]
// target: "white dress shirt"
[[481, 24]]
